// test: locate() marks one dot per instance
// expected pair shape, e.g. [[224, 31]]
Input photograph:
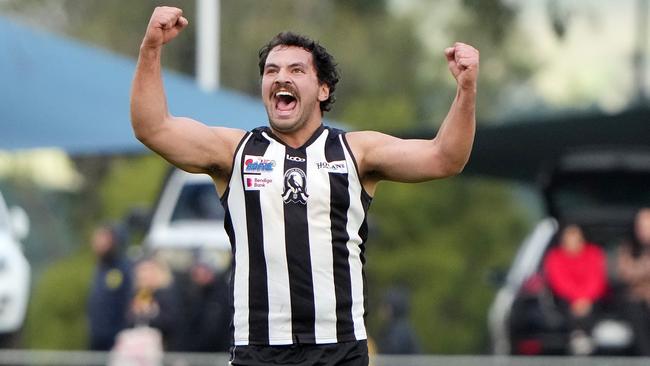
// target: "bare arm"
[[188, 144], [630, 269], [382, 156]]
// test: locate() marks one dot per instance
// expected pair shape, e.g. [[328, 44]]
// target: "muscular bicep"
[[385, 157], [194, 146]]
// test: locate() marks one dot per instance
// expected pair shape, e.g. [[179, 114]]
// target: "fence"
[[82, 358]]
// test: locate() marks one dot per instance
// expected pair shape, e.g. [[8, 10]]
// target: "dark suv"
[[599, 189]]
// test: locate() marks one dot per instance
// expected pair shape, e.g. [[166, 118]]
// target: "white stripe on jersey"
[[275, 252], [240, 285], [320, 243], [354, 224]]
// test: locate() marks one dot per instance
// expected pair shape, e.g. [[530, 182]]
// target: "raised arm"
[[186, 143], [381, 156]]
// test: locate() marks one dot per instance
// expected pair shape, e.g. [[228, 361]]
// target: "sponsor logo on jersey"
[[340, 166], [295, 158], [258, 164], [294, 186], [253, 182]]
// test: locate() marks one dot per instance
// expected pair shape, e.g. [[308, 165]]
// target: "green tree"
[[56, 318], [440, 240], [120, 192]]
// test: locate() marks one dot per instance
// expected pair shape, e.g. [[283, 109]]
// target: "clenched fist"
[[165, 24], [463, 61]]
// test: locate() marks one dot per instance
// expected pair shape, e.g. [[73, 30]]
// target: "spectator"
[[577, 274], [633, 269], [207, 310], [111, 287], [156, 302], [397, 336]]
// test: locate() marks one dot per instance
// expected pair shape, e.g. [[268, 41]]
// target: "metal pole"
[[640, 51], [207, 44]]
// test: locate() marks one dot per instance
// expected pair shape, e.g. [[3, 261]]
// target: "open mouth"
[[285, 101]]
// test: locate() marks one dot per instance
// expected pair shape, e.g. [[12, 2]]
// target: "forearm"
[[148, 101], [456, 134], [636, 272], [390, 158]]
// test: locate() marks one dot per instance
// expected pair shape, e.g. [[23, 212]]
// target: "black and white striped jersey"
[[296, 219]]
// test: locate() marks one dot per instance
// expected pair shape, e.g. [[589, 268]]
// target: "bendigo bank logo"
[[257, 164], [255, 182], [294, 186]]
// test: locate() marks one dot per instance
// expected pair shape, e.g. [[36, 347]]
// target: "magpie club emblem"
[[294, 186]]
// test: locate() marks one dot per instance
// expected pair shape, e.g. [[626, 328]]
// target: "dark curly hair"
[[323, 62]]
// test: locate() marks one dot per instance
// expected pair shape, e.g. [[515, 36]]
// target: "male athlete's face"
[[290, 89]]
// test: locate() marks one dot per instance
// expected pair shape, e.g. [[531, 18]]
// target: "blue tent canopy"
[[55, 92]]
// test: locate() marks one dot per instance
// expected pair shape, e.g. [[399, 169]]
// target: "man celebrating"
[[296, 193]]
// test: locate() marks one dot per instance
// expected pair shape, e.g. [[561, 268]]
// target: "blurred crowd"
[[187, 312], [586, 287]]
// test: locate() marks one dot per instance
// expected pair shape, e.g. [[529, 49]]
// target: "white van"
[[187, 221]]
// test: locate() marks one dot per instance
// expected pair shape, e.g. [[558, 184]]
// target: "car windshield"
[[198, 201], [600, 191]]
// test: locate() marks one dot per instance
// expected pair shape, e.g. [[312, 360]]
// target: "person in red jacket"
[[576, 271]]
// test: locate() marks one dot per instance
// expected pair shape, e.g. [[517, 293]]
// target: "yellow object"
[[114, 279]]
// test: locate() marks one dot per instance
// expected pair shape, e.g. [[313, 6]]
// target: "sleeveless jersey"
[[296, 219]]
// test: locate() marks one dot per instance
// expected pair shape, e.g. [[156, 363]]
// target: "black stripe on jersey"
[[339, 205], [227, 224], [366, 200], [365, 196], [363, 233], [301, 282], [258, 298], [230, 231]]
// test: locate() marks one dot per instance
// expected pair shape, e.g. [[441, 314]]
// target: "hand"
[[145, 308], [165, 24], [463, 61], [581, 307]]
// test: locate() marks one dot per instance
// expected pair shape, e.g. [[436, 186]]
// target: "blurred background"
[[555, 75]]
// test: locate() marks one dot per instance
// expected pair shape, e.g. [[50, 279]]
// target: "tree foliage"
[[440, 240], [56, 318]]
